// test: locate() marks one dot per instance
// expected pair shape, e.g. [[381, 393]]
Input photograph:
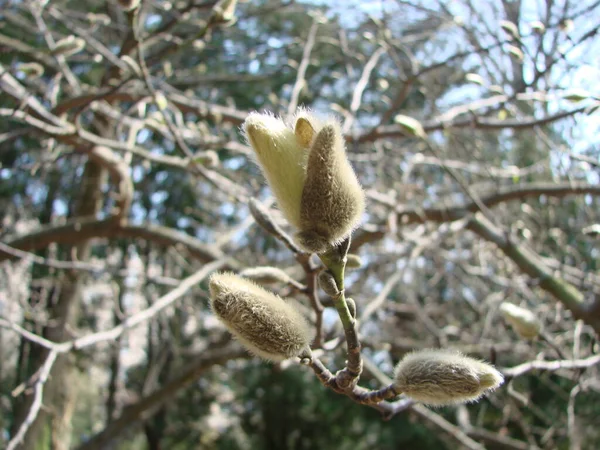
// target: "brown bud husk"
[[524, 322], [444, 377], [265, 275], [332, 199], [264, 323]]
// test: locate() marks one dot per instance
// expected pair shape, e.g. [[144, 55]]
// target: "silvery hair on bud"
[[332, 199], [264, 323], [444, 377]]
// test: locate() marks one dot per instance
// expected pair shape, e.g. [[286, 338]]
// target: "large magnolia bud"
[[332, 199], [444, 377], [523, 321], [307, 169], [263, 322]]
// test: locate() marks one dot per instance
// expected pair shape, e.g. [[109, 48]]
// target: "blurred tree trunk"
[[52, 428]]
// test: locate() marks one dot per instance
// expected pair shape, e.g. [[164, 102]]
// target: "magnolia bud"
[[265, 275], [224, 10], [351, 307], [524, 322], [444, 377], [129, 5], [306, 167], [68, 46], [328, 284], [332, 199], [31, 70], [265, 324], [353, 261], [282, 159]]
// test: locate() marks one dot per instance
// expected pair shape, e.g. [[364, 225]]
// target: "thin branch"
[[480, 123], [407, 215], [360, 87], [37, 401], [133, 321], [552, 366], [301, 75], [145, 407], [530, 263], [81, 229]]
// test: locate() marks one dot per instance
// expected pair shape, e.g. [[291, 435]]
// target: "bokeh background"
[[125, 181]]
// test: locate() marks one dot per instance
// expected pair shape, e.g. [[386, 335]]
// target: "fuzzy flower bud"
[[307, 169], [68, 46], [264, 323], [524, 322], [353, 261], [328, 284], [444, 377]]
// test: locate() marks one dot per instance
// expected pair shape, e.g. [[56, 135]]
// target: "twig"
[[163, 302], [360, 87], [524, 368], [301, 75], [37, 401]]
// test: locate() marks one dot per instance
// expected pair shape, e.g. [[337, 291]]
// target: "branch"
[[408, 215], [143, 409], [524, 368], [131, 322], [395, 131], [37, 401], [301, 76], [530, 263], [81, 229]]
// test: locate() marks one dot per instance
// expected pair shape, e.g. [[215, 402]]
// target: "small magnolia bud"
[[265, 275], [576, 95], [263, 322], [263, 217], [31, 70], [516, 53], [208, 158], [510, 28], [161, 101], [327, 283], [537, 27], [224, 10], [444, 377], [412, 127], [475, 78], [351, 307], [523, 321], [132, 65], [353, 261], [592, 230], [129, 5], [68, 46], [332, 199]]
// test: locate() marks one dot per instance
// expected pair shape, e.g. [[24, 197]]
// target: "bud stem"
[[335, 260]]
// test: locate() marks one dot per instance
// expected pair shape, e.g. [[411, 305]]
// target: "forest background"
[[125, 182]]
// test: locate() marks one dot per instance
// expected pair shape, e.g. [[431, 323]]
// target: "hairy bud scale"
[[264, 323]]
